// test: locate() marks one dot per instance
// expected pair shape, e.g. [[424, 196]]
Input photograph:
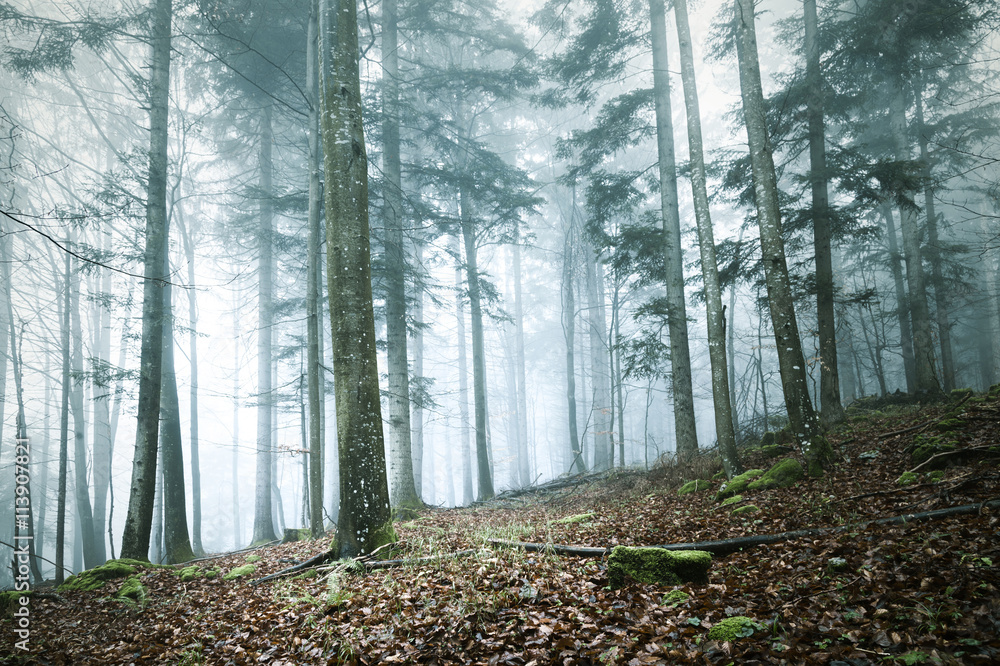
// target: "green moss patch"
[[928, 447], [675, 598], [738, 484], [188, 574], [579, 518], [743, 510], [774, 451], [133, 590], [735, 499], [732, 628], [293, 534], [240, 572], [656, 565], [784, 474], [907, 479], [95, 578], [10, 601], [693, 487]]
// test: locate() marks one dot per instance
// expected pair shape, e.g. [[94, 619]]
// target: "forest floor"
[[919, 592]]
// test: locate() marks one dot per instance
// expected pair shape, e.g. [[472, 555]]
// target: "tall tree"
[[135, 539], [716, 316], [680, 351], [404, 492], [365, 520], [791, 363], [831, 411]]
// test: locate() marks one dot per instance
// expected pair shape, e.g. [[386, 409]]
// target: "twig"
[[945, 454]]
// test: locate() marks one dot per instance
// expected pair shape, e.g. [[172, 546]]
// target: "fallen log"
[[725, 547]]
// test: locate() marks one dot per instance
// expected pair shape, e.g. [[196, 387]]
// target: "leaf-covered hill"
[[910, 592]]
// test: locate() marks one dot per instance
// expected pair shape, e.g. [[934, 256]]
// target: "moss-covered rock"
[[837, 565], [293, 534], [401, 514], [735, 499], [252, 558], [935, 476], [746, 509], [774, 451], [693, 487], [656, 565], [783, 474], [240, 572], [907, 479], [738, 484], [675, 598], [188, 574], [579, 518], [958, 395], [767, 439], [928, 447], [949, 425], [10, 601], [211, 573], [133, 590], [719, 476], [95, 578], [732, 628]]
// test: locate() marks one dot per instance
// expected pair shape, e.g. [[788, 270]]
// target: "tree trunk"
[[417, 415], [478, 346], [576, 462], [923, 346], [263, 520], [941, 295], [365, 520], [237, 527], [599, 363], [680, 354], [102, 413], [135, 539], [63, 429], [716, 316], [791, 363], [314, 368], [401, 481], [831, 410], [188, 241], [80, 466], [523, 455], [177, 541], [902, 302], [463, 379]]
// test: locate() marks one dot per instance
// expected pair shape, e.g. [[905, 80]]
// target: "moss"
[[95, 578], [767, 439], [253, 558], [732, 628], [935, 476], [738, 484], [773, 450], [404, 513], [134, 590], [994, 391], [836, 565], [292, 535], [693, 487], [949, 425], [960, 394], [579, 518], [656, 565], [748, 508], [240, 572], [188, 574], [906, 479], [719, 476], [10, 601], [674, 598], [212, 573], [784, 474], [735, 499], [928, 447]]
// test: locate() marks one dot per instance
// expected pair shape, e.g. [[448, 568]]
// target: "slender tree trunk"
[[831, 410], [237, 527], [523, 455], [576, 462], [680, 354], [417, 414], [478, 346], [135, 540], [188, 243], [941, 295], [63, 429], [365, 520], [463, 379], [791, 363], [263, 520], [43, 477], [102, 414], [156, 546], [902, 302], [80, 466], [716, 315], [599, 363], [314, 369], [923, 346], [401, 472]]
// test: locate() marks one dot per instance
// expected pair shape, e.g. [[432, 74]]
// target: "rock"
[[656, 565], [774, 450], [95, 578], [906, 479], [693, 487], [133, 590], [784, 474], [732, 628], [735, 499], [928, 447], [748, 508], [737, 484]]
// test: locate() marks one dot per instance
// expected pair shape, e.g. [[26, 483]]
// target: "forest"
[[320, 271]]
